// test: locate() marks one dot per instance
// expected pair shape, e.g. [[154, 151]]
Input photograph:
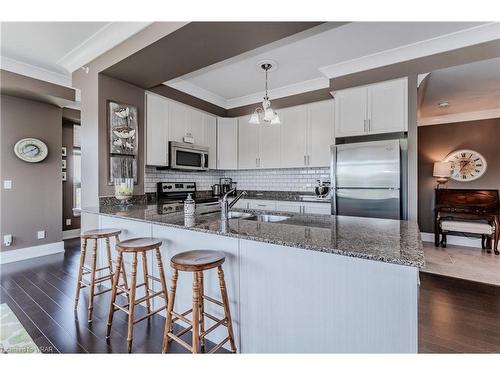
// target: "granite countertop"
[[390, 241]]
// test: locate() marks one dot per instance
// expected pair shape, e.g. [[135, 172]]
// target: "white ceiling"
[[472, 90], [53, 50], [307, 63]]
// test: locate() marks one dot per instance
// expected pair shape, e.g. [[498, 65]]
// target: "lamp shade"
[[254, 119], [442, 169]]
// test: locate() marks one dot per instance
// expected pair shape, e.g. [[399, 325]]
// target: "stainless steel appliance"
[[187, 156], [171, 196], [369, 179], [227, 184], [323, 189], [216, 190]]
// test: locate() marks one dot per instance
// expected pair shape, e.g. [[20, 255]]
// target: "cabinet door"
[[178, 119], [293, 137], [387, 106], [195, 126], [350, 112], [262, 205], [318, 208], [210, 139], [248, 144], [288, 207], [227, 143], [269, 146], [320, 134], [156, 130]]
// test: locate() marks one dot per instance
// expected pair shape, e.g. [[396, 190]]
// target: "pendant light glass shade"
[[265, 113], [254, 119], [276, 119]]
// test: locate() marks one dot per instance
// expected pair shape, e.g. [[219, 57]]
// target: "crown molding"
[[198, 92], [281, 92], [101, 41], [460, 117], [19, 67], [443, 43]]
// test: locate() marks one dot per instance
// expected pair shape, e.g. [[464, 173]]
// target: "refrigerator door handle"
[[333, 180]]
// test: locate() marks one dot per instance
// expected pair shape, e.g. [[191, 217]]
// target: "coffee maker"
[[226, 185]]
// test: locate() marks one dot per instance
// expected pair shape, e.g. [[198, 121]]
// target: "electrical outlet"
[[40, 234], [7, 184], [68, 222], [7, 240]]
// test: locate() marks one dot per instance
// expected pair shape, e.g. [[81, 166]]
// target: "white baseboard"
[[454, 240], [73, 233], [31, 252]]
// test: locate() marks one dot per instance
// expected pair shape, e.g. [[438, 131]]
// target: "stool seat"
[[100, 233], [138, 244], [197, 260]]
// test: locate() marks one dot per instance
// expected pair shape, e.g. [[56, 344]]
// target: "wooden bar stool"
[[135, 246], [197, 261], [95, 235]]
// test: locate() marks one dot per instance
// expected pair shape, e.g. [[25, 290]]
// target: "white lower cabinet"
[[257, 204], [289, 207], [317, 208]]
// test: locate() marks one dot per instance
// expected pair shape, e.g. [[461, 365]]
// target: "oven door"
[[188, 157]]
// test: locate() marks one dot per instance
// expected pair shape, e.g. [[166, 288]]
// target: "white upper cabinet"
[[269, 146], [156, 130], [293, 136], [388, 106], [209, 139], [248, 144], [227, 143], [377, 108], [350, 112], [167, 120], [320, 133]]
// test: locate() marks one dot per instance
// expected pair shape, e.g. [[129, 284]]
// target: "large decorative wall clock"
[[466, 165], [31, 150]]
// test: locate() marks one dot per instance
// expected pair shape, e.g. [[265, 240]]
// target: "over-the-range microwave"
[[188, 156]]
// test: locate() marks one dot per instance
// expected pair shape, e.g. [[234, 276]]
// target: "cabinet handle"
[[364, 125], [369, 125], [308, 160], [305, 160], [256, 162]]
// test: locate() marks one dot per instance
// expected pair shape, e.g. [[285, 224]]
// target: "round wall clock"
[[466, 165], [31, 150]]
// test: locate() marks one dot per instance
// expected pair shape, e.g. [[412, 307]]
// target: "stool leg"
[[116, 280], [80, 271], [146, 280], [170, 308], [196, 312], [225, 301], [202, 311], [496, 236], [124, 275], [162, 278], [92, 280], [131, 304], [110, 260]]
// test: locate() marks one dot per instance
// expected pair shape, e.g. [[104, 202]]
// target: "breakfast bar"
[[297, 283]]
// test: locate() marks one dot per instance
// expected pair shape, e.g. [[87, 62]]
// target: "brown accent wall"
[[68, 194], [121, 92], [35, 201], [437, 141]]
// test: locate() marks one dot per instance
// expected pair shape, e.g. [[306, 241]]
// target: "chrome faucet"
[[226, 206]]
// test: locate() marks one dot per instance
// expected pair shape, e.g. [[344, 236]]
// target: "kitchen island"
[[302, 284]]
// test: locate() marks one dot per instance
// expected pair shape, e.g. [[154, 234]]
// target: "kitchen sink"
[[238, 215], [268, 218]]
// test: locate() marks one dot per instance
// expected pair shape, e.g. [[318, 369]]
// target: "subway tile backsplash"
[[291, 179]]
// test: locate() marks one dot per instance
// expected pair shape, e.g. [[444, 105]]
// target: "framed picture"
[[122, 129], [64, 164], [63, 151], [122, 166], [64, 176]]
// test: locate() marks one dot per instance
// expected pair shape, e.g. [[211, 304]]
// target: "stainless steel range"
[[171, 196]]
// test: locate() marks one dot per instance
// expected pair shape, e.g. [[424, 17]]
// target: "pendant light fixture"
[[265, 113]]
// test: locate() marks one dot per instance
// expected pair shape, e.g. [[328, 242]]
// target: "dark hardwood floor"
[[455, 316], [41, 293]]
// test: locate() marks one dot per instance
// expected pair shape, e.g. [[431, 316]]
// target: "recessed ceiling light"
[[443, 104]]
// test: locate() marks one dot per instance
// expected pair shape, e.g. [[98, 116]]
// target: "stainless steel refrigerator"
[[369, 179]]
